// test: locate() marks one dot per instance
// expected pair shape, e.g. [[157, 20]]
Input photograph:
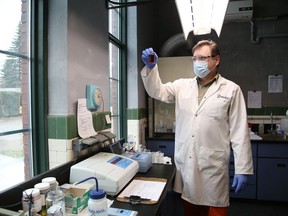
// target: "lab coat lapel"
[[211, 91], [195, 106]]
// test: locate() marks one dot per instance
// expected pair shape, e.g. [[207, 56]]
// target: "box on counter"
[[76, 198]]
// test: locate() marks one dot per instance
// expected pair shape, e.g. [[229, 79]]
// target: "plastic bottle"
[[97, 203], [261, 128], [284, 123]]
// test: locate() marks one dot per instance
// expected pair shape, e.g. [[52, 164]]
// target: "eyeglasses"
[[201, 58]]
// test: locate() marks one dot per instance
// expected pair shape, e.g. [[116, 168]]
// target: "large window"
[[117, 69], [15, 127]]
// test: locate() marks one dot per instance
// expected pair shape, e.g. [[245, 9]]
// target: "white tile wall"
[[264, 119], [137, 129], [60, 152]]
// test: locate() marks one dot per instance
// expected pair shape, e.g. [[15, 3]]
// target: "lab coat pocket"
[[211, 161], [218, 109]]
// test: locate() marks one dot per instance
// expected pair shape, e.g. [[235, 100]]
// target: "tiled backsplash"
[[62, 129], [65, 126]]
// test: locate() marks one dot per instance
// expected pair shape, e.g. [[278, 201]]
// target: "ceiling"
[[168, 27]]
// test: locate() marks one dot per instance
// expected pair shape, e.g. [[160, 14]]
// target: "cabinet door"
[[250, 190], [272, 179]]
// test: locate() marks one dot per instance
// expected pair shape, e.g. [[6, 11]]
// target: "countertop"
[[272, 138], [254, 137]]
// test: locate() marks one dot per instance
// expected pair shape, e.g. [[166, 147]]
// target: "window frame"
[[39, 85], [121, 44]]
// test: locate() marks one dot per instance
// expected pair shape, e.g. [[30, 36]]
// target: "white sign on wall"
[[275, 84]]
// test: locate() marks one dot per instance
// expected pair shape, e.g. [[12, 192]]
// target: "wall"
[[249, 64], [139, 36], [78, 55], [242, 60], [78, 52]]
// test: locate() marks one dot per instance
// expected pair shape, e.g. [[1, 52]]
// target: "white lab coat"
[[204, 135]]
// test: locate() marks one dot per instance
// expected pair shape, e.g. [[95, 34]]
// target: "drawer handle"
[[281, 165], [162, 146]]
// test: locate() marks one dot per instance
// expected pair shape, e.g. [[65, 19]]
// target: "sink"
[[275, 137]]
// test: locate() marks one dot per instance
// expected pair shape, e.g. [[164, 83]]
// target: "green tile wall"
[[65, 127], [136, 114]]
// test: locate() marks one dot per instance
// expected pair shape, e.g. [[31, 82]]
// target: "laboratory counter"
[[11, 199], [158, 171], [275, 138]]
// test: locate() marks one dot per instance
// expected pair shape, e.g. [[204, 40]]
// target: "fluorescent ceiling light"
[[200, 16]]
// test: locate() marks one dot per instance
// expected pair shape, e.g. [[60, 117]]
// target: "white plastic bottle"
[[97, 203], [261, 128], [284, 123]]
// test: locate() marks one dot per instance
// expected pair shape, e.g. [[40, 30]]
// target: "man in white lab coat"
[[210, 119]]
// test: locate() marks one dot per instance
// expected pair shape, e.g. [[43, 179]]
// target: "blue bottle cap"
[[94, 194]]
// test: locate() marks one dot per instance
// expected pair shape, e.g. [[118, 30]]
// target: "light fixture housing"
[[200, 16]]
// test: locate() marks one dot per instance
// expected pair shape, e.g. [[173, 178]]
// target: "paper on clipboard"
[[147, 188]]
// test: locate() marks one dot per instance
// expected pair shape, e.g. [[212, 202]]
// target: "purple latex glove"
[[239, 182], [149, 58]]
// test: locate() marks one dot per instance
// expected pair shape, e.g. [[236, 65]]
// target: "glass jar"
[[55, 203], [52, 181], [31, 201], [44, 188]]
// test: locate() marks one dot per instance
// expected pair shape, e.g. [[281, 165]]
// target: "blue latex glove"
[[239, 182], [147, 60]]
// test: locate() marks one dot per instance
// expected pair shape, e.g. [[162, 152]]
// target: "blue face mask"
[[201, 68]]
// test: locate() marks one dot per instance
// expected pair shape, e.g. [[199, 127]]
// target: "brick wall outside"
[[25, 86]]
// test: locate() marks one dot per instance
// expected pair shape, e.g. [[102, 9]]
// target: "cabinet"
[[250, 190], [163, 145], [272, 172], [270, 161]]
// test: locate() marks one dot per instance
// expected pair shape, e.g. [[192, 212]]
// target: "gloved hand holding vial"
[[149, 57]]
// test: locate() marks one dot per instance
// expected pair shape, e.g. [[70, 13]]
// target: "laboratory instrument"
[[112, 171]]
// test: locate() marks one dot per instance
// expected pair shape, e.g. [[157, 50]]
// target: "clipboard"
[[146, 190]]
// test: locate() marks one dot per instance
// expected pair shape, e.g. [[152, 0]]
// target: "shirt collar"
[[209, 82]]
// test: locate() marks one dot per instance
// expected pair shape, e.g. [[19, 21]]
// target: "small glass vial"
[[52, 181], [97, 203], [44, 188], [151, 58], [31, 199]]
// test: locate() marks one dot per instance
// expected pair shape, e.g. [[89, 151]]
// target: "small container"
[[151, 58], [55, 203], [44, 188], [31, 198], [261, 128], [52, 181], [155, 157], [284, 123], [97, 203]]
